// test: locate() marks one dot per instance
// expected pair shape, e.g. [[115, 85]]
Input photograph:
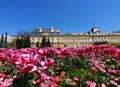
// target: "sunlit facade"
[[9, 38], [73, 39]]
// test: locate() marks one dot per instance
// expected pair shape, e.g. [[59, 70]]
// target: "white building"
[[9, 38]]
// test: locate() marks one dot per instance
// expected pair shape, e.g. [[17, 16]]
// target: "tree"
[[37, 44], [19, 43], [27, 42], [43, 43], [5, 42], [48, 43], [25, 37], [2, 41]]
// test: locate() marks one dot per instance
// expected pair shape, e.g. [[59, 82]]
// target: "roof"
[[36, 32]]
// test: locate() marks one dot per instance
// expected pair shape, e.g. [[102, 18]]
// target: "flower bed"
[[88, 66]]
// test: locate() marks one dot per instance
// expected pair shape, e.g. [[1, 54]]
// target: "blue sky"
[[67, 15]]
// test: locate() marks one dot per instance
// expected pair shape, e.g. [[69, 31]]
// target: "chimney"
[[52, 29], [40, 29]]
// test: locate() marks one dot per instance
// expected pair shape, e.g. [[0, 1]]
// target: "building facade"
[[73, 39], [9, 38]]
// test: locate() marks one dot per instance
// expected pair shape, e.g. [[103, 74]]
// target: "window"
[[71, 40], [33, 41], [65, 41], [58, 39], [52, 39], [38, 39], [32, 38]]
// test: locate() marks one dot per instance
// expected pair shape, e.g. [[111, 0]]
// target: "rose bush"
[[87, 66]]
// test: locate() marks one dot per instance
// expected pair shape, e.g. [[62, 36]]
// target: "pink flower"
[[52, 83], [58, 79], [117, 71], [113, 82], [103, 85], [58, 51], [63, 74], [43, 52], [27, 63], [43, 85], [25, 51], [58, 68], [49, 62], [34, 68], [114, 71], [66, 51], [74, 84], [111, 71], [89, 75], [76, 78], [33, 49], [6, 83], [68, 80], [34, 82], [2, 76], [2, 57], [100, 68], [52, 78], [91, 84], [27, 68], [43, 65]]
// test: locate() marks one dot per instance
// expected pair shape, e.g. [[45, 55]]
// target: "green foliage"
[[37, 44], [75, 67], [26, 41], [100, 43], [45, 42], [48, 43], [117, 45], [19, 43], [3, 42], [25, 79]]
